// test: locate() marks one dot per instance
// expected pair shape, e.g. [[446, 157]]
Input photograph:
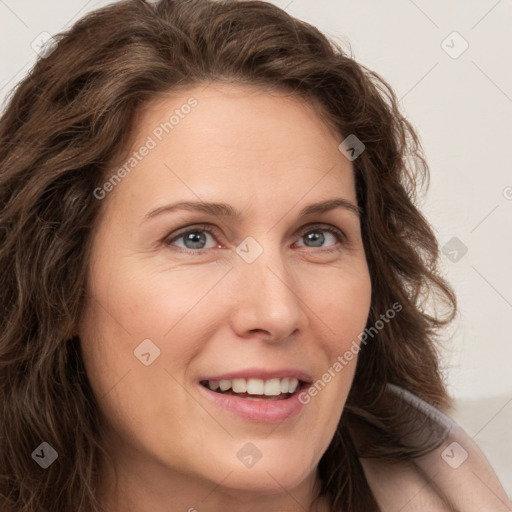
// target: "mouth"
[[258, 395], [257, 389]]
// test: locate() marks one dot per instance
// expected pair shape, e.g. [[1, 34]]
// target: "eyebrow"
[[226, 210]]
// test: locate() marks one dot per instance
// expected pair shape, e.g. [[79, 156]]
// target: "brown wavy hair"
[[62, 128]]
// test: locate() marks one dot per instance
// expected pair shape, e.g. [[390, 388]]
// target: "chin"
[[261, 482], [269, 475]]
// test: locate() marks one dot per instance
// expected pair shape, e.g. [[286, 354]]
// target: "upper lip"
[[261, 373]]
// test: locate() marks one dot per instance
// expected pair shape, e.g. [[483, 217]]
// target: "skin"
[[300, 304]]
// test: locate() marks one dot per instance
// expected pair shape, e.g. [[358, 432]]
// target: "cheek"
[[133, 311], [345, 305], [345, 311], [157, 300], [133, 396]]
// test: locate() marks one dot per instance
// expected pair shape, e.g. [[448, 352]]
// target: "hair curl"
[[61, 130]]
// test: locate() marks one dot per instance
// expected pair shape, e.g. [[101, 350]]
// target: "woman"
[[170, 339]]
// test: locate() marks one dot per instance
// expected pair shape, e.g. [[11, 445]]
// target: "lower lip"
[[260, 411]]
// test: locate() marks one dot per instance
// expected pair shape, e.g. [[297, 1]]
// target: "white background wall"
[[462, 108]]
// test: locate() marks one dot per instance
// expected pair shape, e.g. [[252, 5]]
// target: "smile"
[[271, 400], [255, 389]]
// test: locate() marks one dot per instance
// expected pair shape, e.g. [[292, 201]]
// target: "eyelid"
[[212, 230]]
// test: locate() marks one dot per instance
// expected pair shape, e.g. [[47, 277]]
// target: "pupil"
[[314, 237], [193, 237]]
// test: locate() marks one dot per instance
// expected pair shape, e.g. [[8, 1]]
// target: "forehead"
[[232, 140]]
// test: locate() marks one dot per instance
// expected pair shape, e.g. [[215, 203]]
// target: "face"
[[183, 299]]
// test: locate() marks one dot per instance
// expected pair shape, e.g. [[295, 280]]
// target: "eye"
[[311, 235], [194, 238]]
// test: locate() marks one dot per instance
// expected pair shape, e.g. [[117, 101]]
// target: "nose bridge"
[[268, 297], [264, 260]]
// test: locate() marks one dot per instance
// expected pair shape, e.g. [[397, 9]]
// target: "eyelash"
[[340, 236]]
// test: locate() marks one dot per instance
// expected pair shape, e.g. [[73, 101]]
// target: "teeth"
[[271, 387], [224, 384], [255, 386], [214, 384], [239, 385]]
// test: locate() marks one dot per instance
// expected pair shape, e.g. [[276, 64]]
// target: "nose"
[[267, 298]]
